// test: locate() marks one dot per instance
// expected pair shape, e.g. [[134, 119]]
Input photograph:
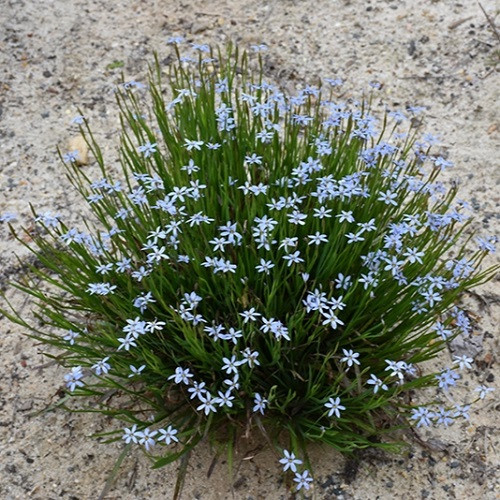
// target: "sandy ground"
[[54, 56]]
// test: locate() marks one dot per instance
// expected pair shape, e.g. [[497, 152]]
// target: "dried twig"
[[456, 24], [490, 22]]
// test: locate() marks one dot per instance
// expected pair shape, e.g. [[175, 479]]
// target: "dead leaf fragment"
[[492, 128]]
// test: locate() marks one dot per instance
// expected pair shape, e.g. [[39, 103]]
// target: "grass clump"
[[264, 261]]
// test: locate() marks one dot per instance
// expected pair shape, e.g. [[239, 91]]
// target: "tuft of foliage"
[[262, 261]]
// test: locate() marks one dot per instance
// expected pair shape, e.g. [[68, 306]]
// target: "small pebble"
[[78, 143], [11, 468]]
